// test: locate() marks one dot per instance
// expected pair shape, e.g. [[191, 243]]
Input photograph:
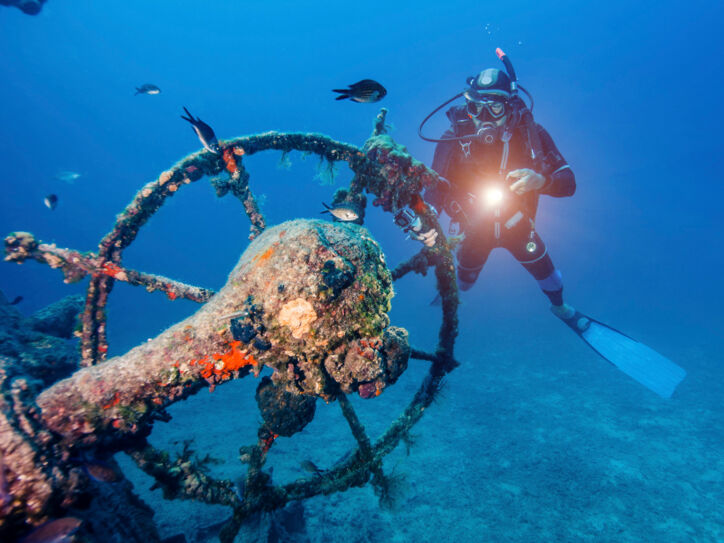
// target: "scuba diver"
[[498, 162], [495, 162]]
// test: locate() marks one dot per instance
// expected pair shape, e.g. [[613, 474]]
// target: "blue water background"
[[630, 91]]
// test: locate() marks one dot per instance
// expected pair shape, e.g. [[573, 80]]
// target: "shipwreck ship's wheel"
[[381, 168]]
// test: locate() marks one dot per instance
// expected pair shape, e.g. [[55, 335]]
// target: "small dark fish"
[[17, 300], [343, 213], [364, 91], [311, 467], [54, 531], [204, 132], [101, 472], [346, 456], [148, 88], [51, 201], [240, 487]]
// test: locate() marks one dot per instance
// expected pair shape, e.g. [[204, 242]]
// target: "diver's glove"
[[412, 224], [527, 180], [427, 238]]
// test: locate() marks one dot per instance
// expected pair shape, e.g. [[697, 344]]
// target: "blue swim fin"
[[654, 371]]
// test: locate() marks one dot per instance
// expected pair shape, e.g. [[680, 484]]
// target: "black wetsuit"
[[474, 167]]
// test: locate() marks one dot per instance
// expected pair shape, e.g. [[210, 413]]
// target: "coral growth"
[[202, 349], [21, 246], [297, 315], [308, 299], [371, 364], [220, 367]]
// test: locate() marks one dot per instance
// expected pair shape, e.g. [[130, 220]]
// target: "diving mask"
[[488, 113], [495, 109]]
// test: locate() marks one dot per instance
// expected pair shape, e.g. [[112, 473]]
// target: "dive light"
[[493, 196]]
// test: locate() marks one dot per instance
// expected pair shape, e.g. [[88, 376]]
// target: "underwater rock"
[[284, 413], [9, 316], [31, 7], [34, 347], [58, 319], [297, 328]]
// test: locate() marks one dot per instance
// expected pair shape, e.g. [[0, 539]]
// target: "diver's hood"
[[488, 82]]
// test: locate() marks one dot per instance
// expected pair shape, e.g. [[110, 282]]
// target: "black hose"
[[438, 108]]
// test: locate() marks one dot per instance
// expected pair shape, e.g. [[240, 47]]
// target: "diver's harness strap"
[[465, 148], [520, 117], [505, 138]]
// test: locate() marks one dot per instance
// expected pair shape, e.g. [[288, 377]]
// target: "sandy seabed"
[[528, 443]]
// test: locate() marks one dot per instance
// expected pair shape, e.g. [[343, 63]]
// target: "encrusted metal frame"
[[382, 168]]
